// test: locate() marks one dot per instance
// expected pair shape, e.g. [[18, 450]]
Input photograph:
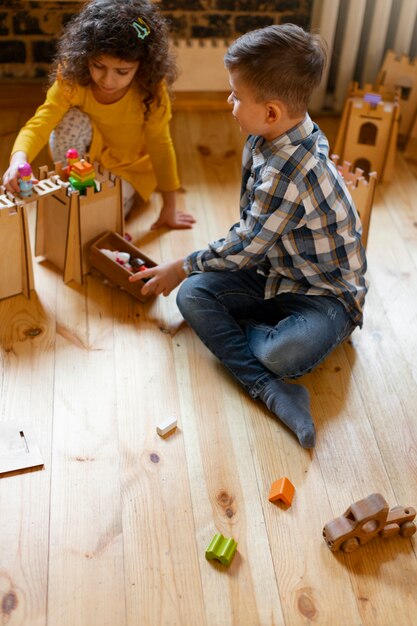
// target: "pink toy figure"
[[72, 156], [25, 180]]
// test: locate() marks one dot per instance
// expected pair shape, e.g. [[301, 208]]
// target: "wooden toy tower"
[[368, 132], [361, 189], [401, 74], [68, 222], [16, 272]]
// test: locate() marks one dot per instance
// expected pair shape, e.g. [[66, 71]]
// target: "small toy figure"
[[72, 157], [138, 265], [25, 180], [366, 519]]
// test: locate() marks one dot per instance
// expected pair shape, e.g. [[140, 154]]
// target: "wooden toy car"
[[366, 519]]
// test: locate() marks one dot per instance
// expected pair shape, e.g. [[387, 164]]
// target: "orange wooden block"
[[82, 168], [283, 490]]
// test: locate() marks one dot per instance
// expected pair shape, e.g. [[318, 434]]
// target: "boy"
[[286, 285]]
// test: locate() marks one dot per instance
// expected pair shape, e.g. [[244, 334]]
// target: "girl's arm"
[[169, 216]]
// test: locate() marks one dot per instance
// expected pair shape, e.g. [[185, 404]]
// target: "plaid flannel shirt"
[[298, 224]]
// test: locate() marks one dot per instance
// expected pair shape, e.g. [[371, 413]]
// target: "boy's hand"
[[162, 279]]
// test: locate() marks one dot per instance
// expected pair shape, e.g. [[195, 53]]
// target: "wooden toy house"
[[16, 272], [399, 73], [368, 132]]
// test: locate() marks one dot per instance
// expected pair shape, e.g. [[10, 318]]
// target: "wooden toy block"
[[68, 222], [111, 269], [366, 519], [16, 271], [368, 131], [167, 427], [361, 189], [221, 548], [282, 490], [17, 450]]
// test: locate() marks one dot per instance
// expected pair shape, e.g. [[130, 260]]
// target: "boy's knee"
[[192, 294]]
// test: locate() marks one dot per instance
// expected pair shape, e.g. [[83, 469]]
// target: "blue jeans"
[[257, 339]]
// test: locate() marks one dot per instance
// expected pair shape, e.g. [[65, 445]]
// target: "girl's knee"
[[75, 130]]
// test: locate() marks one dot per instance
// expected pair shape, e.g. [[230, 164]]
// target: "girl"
[[109, 97]]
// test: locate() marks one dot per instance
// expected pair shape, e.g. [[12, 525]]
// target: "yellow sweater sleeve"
[[159, 143], [35, 134]]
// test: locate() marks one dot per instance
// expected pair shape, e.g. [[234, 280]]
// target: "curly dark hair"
[[105, 28]]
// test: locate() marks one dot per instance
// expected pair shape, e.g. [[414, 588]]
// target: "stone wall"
[[29, 30]]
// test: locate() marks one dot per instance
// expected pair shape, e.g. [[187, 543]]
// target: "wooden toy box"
[[111, 269]]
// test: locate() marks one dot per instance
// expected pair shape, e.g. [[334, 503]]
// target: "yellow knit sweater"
[[139, 151]]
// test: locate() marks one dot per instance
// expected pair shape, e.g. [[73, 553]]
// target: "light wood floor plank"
[[114, 529]]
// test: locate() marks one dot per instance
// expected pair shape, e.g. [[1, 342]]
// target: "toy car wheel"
[[407, 529], [350, 545]]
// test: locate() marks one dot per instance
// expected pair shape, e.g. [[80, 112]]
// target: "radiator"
[[358, 33]]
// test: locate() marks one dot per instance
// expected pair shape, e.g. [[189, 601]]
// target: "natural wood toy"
[[366, 519], [167, 427], [116, 270], [368, 131], [68, 222], [282, 490], [410, 151], [16, 275], [401, 73], [361, 189], [221, 548]]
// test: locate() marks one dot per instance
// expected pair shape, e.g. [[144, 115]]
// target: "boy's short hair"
[[281, 62]]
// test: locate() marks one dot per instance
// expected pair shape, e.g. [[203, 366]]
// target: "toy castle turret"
[[368, 132], [400, 73]]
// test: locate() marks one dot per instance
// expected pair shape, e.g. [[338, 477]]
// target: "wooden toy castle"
[[16, 272], [362, 190], [399, 73], [368, 132], [67, 223]]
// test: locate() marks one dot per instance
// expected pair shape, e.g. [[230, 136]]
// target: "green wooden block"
[[222, 549]]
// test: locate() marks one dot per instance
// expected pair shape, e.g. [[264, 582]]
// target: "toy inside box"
[[103, 259]]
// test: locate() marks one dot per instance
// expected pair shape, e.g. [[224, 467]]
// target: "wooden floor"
[[113, 530]]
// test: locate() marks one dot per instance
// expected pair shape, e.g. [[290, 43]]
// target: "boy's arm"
[[274, 210], [161, 279]]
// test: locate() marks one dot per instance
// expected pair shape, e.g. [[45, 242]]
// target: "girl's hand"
[[11, 176], [162, 279], [173, 220], [169, 217]]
